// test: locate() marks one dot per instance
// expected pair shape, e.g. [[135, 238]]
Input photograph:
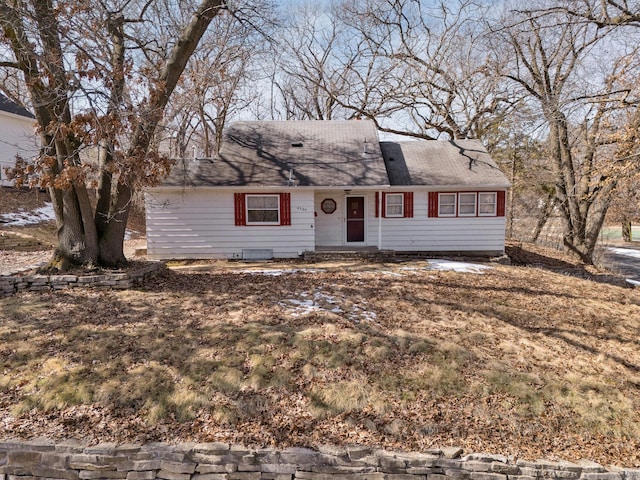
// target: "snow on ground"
[[627, 252], [319, 301], [19, 219], [276, 272], [460, 267], [431, 265]]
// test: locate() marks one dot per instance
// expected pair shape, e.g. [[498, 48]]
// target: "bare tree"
[[602, 13], [550, 55], [313, 61], [219, 81], [107, 89], [424, 67]]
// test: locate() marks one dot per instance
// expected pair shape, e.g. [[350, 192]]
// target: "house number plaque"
[[328, 205]]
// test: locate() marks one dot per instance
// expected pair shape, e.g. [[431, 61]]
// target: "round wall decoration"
[[328, 205]]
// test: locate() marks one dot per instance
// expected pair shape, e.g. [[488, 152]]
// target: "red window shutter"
[[433, 204], [285, 209], [383, 205], [408, 204], [377, 204], [240, 212], [501, 203]]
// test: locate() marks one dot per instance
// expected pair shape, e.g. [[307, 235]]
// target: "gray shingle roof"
[[331, 154], [439, 163], [8, 106], [311, 153]]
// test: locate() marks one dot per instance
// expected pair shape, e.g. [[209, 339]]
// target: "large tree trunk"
[[583, 202], [112, 238], [626, 230], [112, 231]]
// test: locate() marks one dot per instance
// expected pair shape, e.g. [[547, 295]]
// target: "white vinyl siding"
[[200, 223], [422, 233], [16, 138], [330, 227]]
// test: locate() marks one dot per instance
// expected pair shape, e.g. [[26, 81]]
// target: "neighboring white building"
[[17, 136], [280, 188]]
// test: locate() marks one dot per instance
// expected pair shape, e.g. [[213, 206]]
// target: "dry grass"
[[518, 360]]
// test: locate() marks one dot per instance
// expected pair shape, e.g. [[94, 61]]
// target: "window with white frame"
[[263, 209], [447, 205], [487, 202], [394, 205], [467, 204]]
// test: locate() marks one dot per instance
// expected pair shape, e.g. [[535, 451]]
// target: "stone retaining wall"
[[220, 461], [12, 284]]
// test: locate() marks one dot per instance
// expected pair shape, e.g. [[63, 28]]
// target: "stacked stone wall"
[[220, 461], [10, 284]]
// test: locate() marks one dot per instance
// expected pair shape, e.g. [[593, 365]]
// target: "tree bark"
[[626, 230]]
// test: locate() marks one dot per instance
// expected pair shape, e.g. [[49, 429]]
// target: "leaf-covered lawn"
[[513, 360]]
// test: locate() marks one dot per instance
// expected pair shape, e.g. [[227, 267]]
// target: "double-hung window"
[[467, 204], [447, 205], [394, 204], [263, 209], [487, 202]]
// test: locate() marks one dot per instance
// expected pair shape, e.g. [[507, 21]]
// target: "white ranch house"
[[279, 189], [17, 137]]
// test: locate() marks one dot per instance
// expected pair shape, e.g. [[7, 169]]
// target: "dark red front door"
[[355, 219]]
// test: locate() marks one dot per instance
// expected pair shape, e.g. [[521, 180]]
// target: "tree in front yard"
[[98, 75]]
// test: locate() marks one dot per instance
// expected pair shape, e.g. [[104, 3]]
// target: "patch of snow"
[[360, 314], [277, 272], [301, 307], [318, 301], [460, 267], [270, 273], [627, 252], [21, 218]]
